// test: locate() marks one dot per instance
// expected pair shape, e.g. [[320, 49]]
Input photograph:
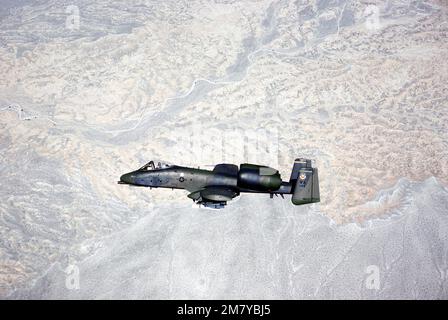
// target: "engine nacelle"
[[260, 178]]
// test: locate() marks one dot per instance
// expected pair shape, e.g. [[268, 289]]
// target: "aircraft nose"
[[127, 178]]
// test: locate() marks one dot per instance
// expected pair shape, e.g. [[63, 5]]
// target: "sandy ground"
[[361, 88]]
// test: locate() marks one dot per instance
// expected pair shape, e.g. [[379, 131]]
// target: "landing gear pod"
[[305, 181]]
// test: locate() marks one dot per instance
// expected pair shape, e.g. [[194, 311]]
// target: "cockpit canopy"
[[155, 165]]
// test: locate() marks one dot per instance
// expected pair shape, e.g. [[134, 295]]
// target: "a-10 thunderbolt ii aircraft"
[[213, 188]]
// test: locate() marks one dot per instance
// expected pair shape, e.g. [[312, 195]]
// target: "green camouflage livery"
[[213, 188]]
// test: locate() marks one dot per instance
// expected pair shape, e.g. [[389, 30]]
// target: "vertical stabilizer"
[[305, 182]]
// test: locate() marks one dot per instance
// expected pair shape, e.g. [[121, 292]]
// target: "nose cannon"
[[127, 178]]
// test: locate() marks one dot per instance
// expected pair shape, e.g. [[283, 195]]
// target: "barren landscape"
[[90, 90]]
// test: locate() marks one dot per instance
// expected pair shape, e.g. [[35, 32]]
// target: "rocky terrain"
[[90, 90]]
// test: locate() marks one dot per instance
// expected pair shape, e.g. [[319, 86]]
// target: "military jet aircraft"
[[213, 188]]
